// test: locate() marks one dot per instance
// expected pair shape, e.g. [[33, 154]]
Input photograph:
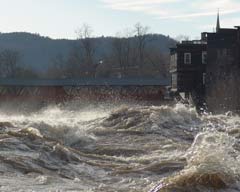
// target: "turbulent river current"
[[125, 148]]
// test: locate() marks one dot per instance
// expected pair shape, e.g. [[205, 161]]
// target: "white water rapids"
[[130, 147]]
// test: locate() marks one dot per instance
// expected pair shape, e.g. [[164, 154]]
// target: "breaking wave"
[[126, 147]]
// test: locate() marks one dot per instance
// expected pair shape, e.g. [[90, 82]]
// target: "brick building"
[[208, 70]]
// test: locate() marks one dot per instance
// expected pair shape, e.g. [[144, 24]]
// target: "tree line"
[[131, 55]]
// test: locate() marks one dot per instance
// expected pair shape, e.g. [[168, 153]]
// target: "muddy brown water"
[[125, 148]]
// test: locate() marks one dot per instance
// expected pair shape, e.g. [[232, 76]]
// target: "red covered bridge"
[[98, 89]]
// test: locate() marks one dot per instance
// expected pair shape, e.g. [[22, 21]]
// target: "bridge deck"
[[85, 82]]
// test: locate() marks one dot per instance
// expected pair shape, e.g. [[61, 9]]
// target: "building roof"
[[87, 82]]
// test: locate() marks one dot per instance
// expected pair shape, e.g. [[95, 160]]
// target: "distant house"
[[208, 70]]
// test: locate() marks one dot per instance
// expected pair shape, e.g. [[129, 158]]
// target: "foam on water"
[[213, 162], [118, 148]]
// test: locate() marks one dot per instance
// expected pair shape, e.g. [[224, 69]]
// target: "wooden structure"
[[58, 90]]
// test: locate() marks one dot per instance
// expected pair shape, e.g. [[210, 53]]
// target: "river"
[[124, 147]]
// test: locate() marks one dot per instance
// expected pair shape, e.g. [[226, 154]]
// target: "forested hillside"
[[46, 57]]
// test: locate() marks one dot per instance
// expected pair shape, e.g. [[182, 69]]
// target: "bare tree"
[[88, 48], [9, 60], [159, 63], [122, 51], [141, 37], [75, 63]]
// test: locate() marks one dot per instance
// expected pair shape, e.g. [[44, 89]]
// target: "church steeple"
[[218, 22]]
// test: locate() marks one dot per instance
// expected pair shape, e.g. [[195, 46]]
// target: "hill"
[[38, 52]]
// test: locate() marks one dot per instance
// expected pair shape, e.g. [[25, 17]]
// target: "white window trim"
[[185, 58]]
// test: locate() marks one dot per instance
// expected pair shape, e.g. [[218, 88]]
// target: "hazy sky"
[[61, 18]]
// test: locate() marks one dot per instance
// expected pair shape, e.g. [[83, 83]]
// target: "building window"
[[174, 58], [173, 61], [204, 78], [204, 57], [174, 81], [222, 53], [187, 58]]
